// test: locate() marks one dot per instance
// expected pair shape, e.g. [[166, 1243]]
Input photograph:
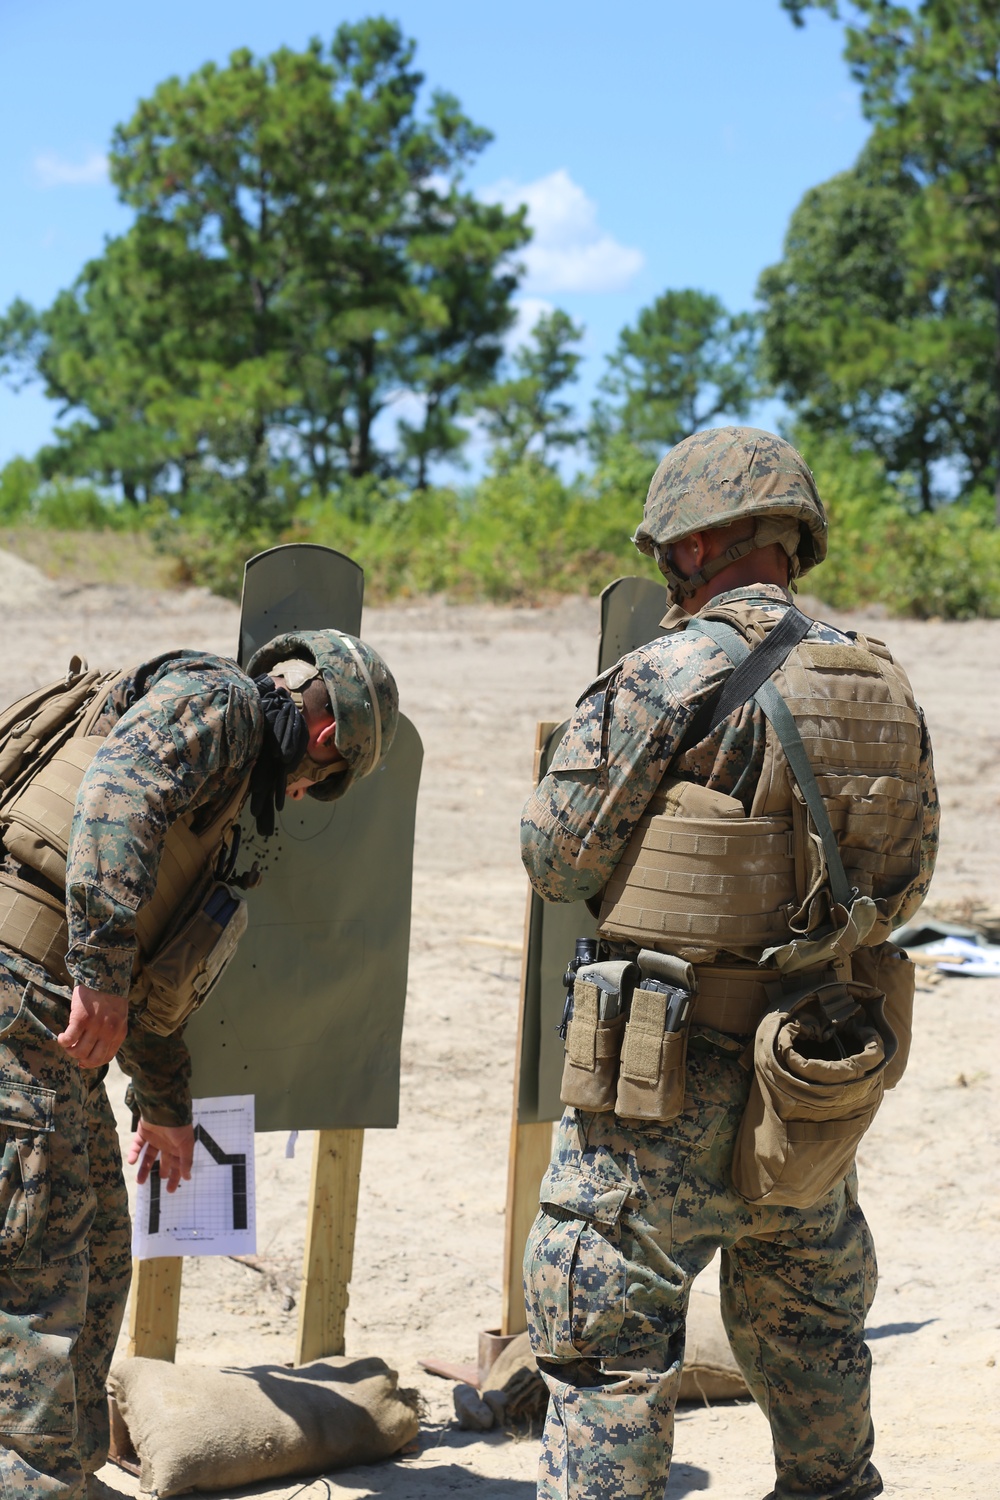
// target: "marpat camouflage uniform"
[[630, 1214], [182, 732]]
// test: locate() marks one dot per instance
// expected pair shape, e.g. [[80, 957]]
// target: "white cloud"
[[53, 170], [569, 251]]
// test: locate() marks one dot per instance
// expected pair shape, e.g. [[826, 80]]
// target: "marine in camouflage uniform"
[[631, 1212], [182, 733]]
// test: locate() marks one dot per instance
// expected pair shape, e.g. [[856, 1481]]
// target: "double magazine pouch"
[[626, 1041], [819, 1065]]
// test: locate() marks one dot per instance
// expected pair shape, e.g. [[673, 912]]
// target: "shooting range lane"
[[428, 1258]]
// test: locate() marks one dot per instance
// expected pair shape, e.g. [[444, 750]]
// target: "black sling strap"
[[743, 682]]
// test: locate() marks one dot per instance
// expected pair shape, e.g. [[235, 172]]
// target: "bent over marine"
[[749, 829], [117, 911]]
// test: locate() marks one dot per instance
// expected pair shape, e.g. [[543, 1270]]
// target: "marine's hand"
[[97, 1027], [172, 1144]]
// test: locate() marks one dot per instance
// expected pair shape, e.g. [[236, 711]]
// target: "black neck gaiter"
[[286, 739]]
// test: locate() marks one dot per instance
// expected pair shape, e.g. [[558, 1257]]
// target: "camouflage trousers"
[[64, 1251], [629, 1216]]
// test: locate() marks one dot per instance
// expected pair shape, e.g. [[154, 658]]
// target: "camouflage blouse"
[[182, 731]]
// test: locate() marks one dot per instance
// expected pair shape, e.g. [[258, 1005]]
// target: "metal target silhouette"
[[309, 1014]]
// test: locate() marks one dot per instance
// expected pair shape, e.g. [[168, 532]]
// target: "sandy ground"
[[429, 1248]]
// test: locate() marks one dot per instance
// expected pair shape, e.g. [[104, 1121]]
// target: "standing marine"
[[119, 906], [752, 851]]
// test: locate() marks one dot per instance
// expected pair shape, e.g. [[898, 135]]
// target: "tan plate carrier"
[[698, 877], [36, 816]]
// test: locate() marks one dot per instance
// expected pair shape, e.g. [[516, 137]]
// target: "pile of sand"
[[21, 583]]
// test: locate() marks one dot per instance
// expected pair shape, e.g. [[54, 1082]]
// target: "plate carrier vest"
[[47, 742], [699, 876]]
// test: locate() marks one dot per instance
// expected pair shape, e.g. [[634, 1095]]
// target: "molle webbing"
[[33, 923], [38, 819], [36, 823], [718, 882], [703, 883]]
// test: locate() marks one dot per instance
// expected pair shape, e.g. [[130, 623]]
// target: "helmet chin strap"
[[766, 533]]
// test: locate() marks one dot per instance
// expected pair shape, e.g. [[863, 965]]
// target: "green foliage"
[[856, 340], [684, 363], [19, 480], [302, 252], [65, 506], [56, 504], [929, 79], [940, 564], [526, 415], [523, 534]]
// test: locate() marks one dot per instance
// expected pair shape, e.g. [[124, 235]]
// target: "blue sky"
[[657, 144]]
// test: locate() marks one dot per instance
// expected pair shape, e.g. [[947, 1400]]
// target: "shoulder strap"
[[779, 716], [755, 667]]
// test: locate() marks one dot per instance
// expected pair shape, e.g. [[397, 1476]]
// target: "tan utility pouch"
[[654, 1051], [887, 968], [183, 971], [815, 1091], [594, 1035]]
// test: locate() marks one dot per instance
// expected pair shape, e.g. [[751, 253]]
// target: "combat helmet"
[[362, 692], [726, 474]]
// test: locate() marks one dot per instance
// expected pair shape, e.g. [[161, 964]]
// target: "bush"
[[527, 534], [65, 506], [19, 480], [945, 563]]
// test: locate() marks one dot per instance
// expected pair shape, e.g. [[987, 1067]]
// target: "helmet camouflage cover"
[[727, 474], [362, 692]]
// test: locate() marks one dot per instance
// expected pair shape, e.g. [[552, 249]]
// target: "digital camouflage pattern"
[[624, 737], [182, 731], [726, 474], [629, 1217], [351, 671], [64, 1248]]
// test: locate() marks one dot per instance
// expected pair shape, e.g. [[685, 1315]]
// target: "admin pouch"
[[187, 933]]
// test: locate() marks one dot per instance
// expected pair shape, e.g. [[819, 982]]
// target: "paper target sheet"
[[215, 1212]]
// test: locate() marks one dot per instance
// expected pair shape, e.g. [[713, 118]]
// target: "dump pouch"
[[889, 969], [183, 971], [601, 996], [819, 1063]]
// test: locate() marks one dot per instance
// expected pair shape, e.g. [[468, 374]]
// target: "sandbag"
[[710, 1371], [195, 1428]]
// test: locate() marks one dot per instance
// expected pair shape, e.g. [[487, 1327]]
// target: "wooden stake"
[[530, 1145], [329, 1254], [155, 1307], [530, 1150]]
